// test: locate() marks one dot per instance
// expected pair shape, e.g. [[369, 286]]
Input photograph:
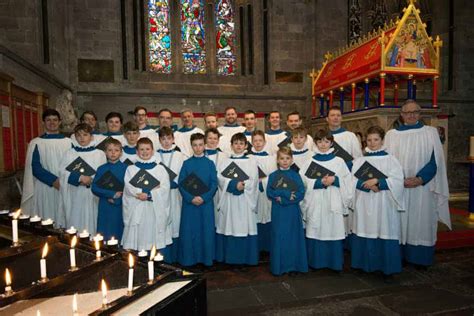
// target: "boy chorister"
[[41, 182], [172, 160], [236, 227], [286, 190], [266, 164], [108, 186], [78, 168], [326, 202], [197, 184], [378, 199], [146, 203], [215, 154], [131, 134], [299, 149]]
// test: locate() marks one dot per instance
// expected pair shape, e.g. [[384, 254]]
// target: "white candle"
[[43, 262], [130, 272], [74, 304], [151, 270], [104, 293], [8, 281], [112, 241], [97, 248], [15, 231], [151, 265], [15, 226], [43, 268], [72, 252]]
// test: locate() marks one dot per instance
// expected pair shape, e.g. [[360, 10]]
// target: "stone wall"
[[299, 33]]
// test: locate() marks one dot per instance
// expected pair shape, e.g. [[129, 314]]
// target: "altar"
[[370, 79]]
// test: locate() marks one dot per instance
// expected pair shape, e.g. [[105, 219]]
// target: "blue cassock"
[[288, 247], [109, 218], [197, 227]]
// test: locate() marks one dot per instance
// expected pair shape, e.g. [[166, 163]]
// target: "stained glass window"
[[193, 36], [159, 36], [225, 38]]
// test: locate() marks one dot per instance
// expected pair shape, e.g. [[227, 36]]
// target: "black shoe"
[[293, 274], [420, 267]]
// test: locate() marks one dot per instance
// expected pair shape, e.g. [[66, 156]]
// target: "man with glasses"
[[140, 117], [419, 150]]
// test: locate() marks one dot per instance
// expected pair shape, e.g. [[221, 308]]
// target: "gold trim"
[[407, 11]]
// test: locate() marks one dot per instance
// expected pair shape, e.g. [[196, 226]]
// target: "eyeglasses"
[[413, 113]]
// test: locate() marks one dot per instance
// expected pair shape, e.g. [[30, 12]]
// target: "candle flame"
[[73, 241], [97, 244], [45, 251], [152, 253], [74, 303], [103, 287], [130, 260], [8, 277], [17, 214], [38, 313], [113, 238]]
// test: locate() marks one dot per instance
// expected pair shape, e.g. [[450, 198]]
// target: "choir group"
[[230, 192]]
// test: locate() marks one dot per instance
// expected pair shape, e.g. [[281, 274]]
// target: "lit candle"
[[159, 257], [104, 294], [130, 273], [72, 253], [74, 304], [15, 227], [97, 252], [84, 234], [44, 277], [112, 241], [98, 237], [151, 265], [38, 313], [8, 282]]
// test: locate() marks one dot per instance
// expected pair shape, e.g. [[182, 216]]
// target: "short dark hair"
[[138, 108], [112, 115], [271, 112], [238, 137], [299, 131], [323, 133], [130, 126], [230, 108], [210, 114], [213, 131], [334, 108], [165, 110], [258, 133], [376, 130], [293, 113], [165, 131], [50, 112], [250, 112], [82, 127], [87, 113], [113, 141], [196, 136], [144, 141]]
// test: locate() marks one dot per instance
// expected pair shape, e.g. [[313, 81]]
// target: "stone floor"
[[447, 288]]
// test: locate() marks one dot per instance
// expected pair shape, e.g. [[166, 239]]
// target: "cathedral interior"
[[264, 55]]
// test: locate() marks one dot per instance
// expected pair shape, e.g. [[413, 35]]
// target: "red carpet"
[[456, 238]]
